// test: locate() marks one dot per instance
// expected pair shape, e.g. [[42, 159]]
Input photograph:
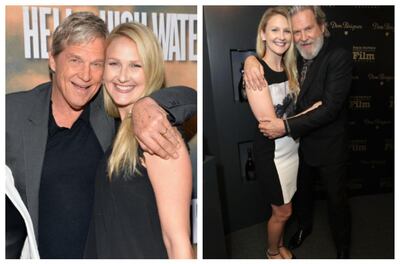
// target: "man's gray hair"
[[319, 14], [78, 28]]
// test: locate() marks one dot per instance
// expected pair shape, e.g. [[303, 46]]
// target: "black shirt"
[[125, 222], [67, 187]]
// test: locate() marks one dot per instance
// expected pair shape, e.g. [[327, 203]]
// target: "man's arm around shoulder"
[[179, 101]]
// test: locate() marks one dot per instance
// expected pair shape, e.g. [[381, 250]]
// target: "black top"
[[66, 188], [272, 76], [125, 220], [284, 100]]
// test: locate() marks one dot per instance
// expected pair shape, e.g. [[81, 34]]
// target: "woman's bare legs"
[[275, 227]]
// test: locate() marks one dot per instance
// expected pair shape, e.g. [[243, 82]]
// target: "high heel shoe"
[[291, 253], [269, 254]]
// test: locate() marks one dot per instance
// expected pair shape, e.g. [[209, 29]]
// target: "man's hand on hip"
[[272, 127]]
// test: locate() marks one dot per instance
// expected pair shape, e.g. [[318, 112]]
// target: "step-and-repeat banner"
[[369, 33]]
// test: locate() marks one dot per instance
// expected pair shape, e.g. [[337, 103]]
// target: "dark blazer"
[[322, 132], [27, 115]]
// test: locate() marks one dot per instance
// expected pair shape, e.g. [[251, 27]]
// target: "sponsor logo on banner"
[[383, 27], [381, 77], [377, 123], [360, 102], [358, 145], [388, 28], [364, 53], [345, 26], [373, 163]]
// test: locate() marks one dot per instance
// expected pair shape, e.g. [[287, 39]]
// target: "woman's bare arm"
[[254, 74], [261, 103], [172, 183]]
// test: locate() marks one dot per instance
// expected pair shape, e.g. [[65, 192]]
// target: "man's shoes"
[[298, 238], [343, 253]]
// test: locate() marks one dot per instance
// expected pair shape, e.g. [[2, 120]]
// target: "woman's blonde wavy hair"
[[124, 156], [289, 58]]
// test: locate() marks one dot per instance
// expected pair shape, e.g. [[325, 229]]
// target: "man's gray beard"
[[318, 43]]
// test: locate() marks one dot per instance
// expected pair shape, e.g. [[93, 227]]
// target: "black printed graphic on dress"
[[287, 106]]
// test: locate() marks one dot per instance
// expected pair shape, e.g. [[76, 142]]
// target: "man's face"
[[307, 34], [78, 73]]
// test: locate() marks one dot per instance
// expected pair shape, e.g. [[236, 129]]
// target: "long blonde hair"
[[124, 156], [289, 58]]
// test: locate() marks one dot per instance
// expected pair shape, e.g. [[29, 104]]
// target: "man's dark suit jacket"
[[27, 115], [322, 132]]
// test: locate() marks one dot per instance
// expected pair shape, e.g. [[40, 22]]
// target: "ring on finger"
[[165, 132]]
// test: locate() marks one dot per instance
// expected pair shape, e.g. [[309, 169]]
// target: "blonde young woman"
[[141, 207], [276, 161]]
